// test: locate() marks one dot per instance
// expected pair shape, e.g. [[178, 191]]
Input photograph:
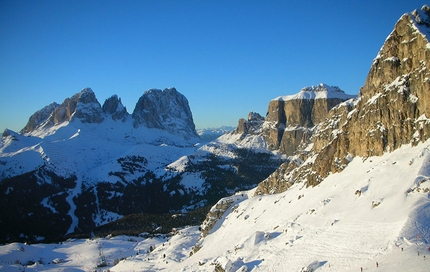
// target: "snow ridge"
[[321, 91]]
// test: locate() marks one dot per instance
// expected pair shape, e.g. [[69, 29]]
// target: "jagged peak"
[[86, 96], [86, 90], [39, 117], [421, 20], [165, 109], [320, 91], [254, 116], [7, 132], [115, 108], [422, 16]]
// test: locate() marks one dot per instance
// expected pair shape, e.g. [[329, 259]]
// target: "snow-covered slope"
[[355, 218], [375, 211], [88, 150]]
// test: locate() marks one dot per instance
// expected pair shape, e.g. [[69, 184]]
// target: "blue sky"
[[227, 57]]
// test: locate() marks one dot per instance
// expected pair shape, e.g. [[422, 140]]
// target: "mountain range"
[[324, 181]]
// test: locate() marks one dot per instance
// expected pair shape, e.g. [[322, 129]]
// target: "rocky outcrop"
[[308, 107], [250, 126], [394, 105], [88, 109], [114, 107], [167, 110], [392, 109], [83, 106], [290, 119], [161, 109], [39, 117], [215, 214]]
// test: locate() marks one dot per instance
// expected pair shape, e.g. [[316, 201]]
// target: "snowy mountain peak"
[[161, 109], [422, 17], [167, 110], [114, 107], [39, 117], [321, 91], [88, 108]]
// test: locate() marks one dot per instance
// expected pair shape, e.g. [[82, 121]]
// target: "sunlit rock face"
[[392, 110]]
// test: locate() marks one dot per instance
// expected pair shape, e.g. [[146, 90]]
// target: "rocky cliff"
[[167, 110], [250, 126], [39, 117], [161, 109], [291, 119], [114, 107], [82, 105], [392, 110]]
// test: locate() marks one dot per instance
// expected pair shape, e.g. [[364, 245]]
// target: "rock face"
[[113, 107], [39, 117], [291, 119], [392, 109], [161, 109], [250, 126], [167, 110], [394, 103], [82, 105], [88, 109]]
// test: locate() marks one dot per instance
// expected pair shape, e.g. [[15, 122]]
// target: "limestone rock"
[[392, 109], [165, 109], [83, 106], [290, 119], [393, 106], [114, 107], [251, 126], [88, 109], [39, 117]]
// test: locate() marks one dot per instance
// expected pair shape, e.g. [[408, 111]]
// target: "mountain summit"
[[391, 110], [167, 110]]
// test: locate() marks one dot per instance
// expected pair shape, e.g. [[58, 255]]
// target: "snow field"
[[376, 210], [330, 226]]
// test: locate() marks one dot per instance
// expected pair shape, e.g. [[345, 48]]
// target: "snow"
[[321, 91], [89, 152], [393, 59], [420, 19], [335, 226]]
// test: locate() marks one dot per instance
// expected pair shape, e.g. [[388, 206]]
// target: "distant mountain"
[[77, 164], [210, 134], [84, 164], [166, 110], [291, 120], [80, 164]]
